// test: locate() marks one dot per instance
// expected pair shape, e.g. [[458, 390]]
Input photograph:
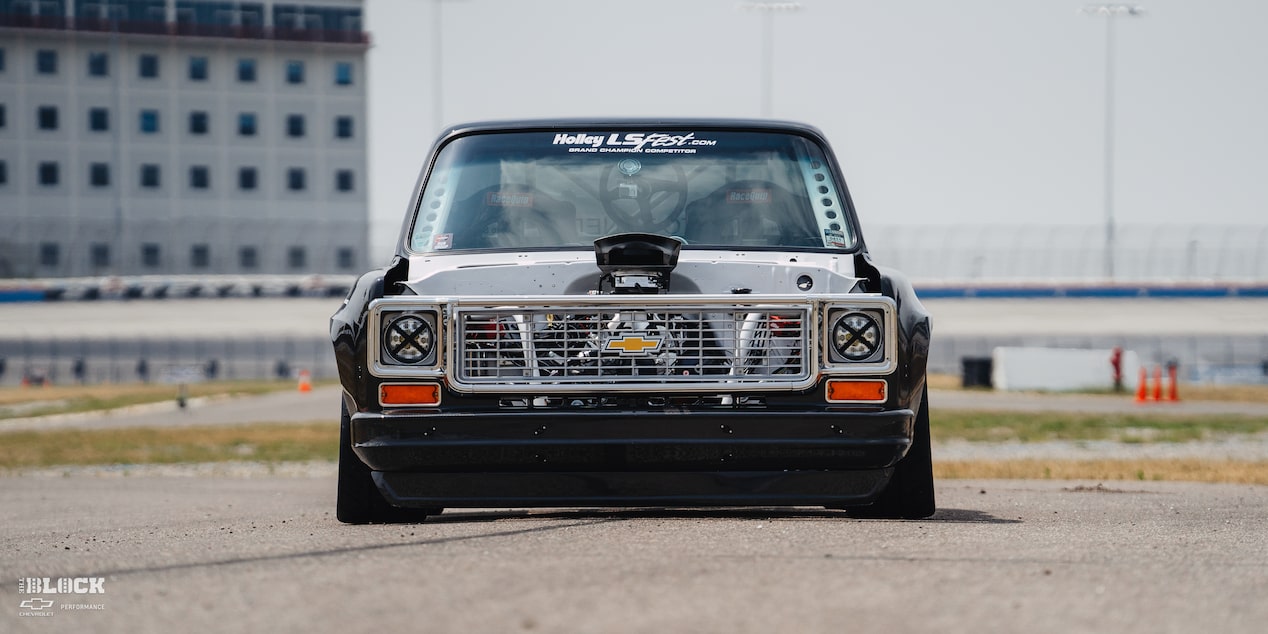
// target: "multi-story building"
[[182, 137]]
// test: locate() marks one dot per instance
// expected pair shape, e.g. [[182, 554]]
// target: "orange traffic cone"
[[1142, 388], [305, 381], [1157, 383], [1173, 391]]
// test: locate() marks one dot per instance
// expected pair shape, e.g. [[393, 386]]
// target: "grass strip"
[[70, 399], [1180, 469], [263, 443], [1128, 428]]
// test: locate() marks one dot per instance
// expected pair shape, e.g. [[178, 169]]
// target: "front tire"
[[909, 494], [358, 500]]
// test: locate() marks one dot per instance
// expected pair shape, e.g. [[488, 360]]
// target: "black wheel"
[[358, 500], [909, 494]]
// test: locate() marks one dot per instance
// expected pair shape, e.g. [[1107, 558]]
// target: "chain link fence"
[[1039, 254]]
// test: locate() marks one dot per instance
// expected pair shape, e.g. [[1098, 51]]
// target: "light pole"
[[1110, 12], [768, 10], [438, 64]]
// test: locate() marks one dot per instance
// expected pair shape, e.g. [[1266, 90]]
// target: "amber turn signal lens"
[[857, 391], [409, 394]]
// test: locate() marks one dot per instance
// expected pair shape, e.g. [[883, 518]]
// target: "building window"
[[246, 70], [151, 255], [343, 180], [46, 117], [149, 121], [1, 60], [200, 256], [294, 72], [3, 117], [48, 173], [46, 62], [343, 127], [98, 119], [148, 66], [295, 179], [248, 258], [296, 257], [343, 73], [295, 125], [199, 177], [247, 178], [50, 254], [98, 64], [150, 176], [246, 124], [198, 69], [99, 255], [198, 122], [4, 173], [99, 175], [344, 258]]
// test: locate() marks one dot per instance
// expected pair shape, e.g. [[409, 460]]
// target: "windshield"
[[527, 190]]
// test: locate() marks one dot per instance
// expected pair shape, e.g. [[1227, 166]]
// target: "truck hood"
[[576, 273]]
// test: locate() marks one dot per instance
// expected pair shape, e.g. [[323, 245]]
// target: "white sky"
[[942, 112]]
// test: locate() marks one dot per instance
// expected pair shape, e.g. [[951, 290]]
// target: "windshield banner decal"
[[633, 142]]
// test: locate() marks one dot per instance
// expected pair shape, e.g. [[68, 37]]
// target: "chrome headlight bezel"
[[395, 326], [860, 337]]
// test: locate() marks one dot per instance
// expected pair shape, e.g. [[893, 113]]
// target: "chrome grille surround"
[[634, 343]]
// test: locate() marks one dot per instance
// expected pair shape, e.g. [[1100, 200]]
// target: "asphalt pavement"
[[264, 553]]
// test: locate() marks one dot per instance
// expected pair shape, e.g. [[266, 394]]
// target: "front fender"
[[915, 328], [347, 328]]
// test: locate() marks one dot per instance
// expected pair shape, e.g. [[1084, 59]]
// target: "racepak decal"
[[508, 199], [633, 142], [748, 196]]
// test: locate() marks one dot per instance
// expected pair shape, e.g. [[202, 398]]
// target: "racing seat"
[[752, 213], [512, 216]]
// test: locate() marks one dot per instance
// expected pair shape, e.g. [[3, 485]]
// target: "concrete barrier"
[[1060, 369]]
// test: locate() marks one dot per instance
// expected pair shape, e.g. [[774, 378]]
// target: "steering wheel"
[[650, 192]]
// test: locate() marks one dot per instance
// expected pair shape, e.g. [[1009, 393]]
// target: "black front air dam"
[[640, 488], [631, 458]]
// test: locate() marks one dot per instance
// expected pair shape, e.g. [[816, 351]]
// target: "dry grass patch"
[[1179, 469], [982, 426], [263, 443], [1227, 393]]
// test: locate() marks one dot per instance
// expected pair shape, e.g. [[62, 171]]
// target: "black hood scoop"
[[636, 262]]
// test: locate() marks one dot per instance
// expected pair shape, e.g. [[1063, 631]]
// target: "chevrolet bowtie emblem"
[[633, 344], [39, 604]]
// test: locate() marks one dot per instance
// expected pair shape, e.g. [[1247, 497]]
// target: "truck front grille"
[[677, 347]]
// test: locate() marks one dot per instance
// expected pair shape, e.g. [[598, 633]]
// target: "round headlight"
[[856, 336], [409, 339]]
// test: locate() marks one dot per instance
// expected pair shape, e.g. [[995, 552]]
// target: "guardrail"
[[162, 360], [165, 287], [147, 27]]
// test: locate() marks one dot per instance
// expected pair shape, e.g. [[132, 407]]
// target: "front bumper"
[[720, 457]]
